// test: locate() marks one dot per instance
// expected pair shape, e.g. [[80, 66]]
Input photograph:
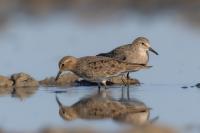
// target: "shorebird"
[[136, 52], [96, 68], [102, 106]]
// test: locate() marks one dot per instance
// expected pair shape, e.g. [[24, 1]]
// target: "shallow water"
[[36, 46]]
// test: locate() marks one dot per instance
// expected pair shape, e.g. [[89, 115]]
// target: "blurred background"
[[35, 34], [36, 31]]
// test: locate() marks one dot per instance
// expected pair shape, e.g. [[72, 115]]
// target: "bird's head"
[[67, 113], [143, 44], [67, 63]]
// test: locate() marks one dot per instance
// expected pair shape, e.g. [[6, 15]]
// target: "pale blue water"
[[35, 46]]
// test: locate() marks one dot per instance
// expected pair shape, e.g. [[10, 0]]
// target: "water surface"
[[35, 46]]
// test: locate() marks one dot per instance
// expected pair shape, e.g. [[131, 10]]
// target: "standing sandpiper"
[[97, 68], [137, 52]]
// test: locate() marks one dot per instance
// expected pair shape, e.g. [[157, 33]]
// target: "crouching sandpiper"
[[97, 68]]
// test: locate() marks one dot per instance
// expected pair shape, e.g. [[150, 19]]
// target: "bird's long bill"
[[59, 103], [152, 50], [58, 75]]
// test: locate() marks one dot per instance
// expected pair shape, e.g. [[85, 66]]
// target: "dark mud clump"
[[113, 81], [64, 80], [20, 85], [198, 85], [5, 82], [24, 80], [184, 87], [192, 86], [70, 79]]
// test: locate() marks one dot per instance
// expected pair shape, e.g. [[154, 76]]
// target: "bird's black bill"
[[58, 75], [59, 104], [58, 101], [152, 50]]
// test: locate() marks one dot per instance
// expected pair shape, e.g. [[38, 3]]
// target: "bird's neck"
[[143, 54], [141, 51]]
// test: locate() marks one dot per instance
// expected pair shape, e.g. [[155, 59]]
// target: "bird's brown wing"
[[100, 67], [98, 108], [117, 53], [97, 67]]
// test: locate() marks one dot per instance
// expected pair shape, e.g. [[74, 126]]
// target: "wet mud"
[[70, 79]]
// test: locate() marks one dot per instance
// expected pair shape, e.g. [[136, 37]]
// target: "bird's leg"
[[122, 96], [128, 92], [128, 76], [104, 84], [122, 78], [99, 88], [13, 92]]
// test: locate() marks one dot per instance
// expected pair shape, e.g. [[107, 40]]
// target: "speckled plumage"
[[97, 68], [136, 52]]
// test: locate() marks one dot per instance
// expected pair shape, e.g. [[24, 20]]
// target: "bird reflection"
[[103, 106], [140, 117], [18, 92]]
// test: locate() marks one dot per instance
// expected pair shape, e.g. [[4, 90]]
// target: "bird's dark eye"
[[62, 65], [143, 43]]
